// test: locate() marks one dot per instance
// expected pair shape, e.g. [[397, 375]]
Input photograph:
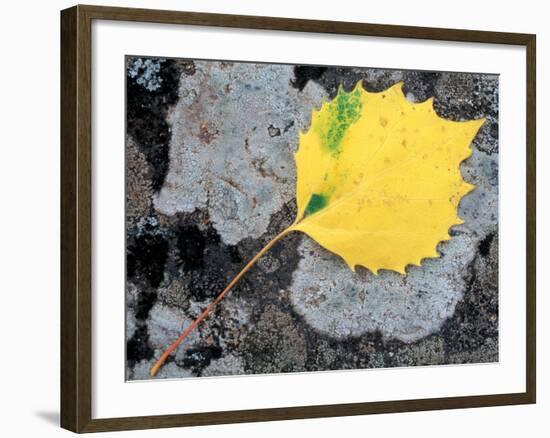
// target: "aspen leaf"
[[378, 178]]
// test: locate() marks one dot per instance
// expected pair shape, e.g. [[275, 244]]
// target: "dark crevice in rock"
[[147, 104], [145, 302], [234, 254], [304, 73], [191, 243], [334, 77], [485, 244], [146, 257], [137, 347]]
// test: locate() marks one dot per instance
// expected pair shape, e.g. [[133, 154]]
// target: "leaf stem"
[[205, 313]]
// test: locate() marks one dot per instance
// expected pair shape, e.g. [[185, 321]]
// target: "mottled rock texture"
[[211, 178]]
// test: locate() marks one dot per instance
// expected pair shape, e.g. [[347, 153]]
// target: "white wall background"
[[29, 219]]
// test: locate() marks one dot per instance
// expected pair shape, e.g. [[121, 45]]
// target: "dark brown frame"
[[76, 237]]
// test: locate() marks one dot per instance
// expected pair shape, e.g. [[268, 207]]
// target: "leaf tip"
[[468, 187], [481, 121], [429, 102], [358, 85], [476, 124], [398, 86]]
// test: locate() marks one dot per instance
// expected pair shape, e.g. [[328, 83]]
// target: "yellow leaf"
[[378, 178]]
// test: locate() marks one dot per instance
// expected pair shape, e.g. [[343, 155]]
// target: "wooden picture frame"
[[76, 218]]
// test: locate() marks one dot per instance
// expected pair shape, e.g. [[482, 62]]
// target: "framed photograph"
[[268, 218]]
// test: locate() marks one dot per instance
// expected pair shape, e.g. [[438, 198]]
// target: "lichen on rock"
[[343, 303], [224, 155]]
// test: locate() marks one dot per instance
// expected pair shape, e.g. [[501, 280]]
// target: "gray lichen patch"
[[145, 72], [479, 209], [233, 133], [170, 370], [165, 325], [341, 303]]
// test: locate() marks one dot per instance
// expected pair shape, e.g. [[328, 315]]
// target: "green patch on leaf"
[[339, 118], [316, 202]]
